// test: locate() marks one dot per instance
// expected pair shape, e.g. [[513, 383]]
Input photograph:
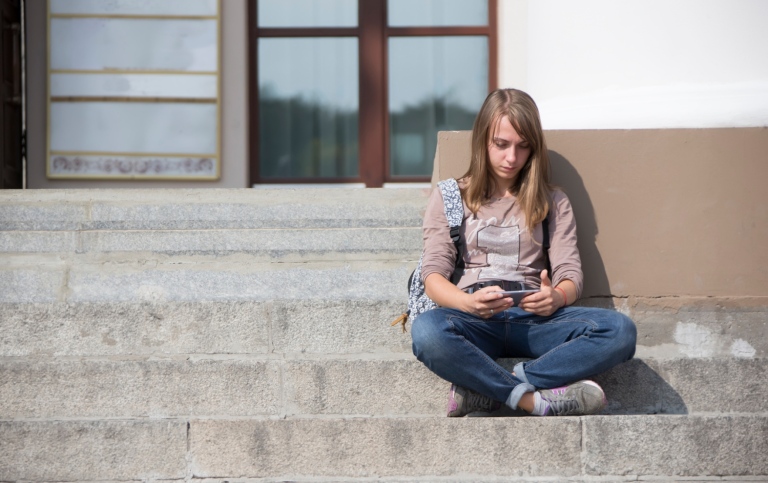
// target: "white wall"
[[608, 64]]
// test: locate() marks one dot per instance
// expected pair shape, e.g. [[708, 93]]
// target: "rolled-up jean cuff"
[[520, 372], [517, 393]]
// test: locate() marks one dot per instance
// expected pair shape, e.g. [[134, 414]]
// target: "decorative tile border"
[[138, 167]]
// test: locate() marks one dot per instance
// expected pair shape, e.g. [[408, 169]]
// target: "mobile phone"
[[518, 291]]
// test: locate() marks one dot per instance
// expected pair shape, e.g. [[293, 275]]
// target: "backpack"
[[418, 301]]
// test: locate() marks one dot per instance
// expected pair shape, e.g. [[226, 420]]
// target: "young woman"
[[507, 196]]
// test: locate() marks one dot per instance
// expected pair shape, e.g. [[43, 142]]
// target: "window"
[[133, 90], [356, 90]]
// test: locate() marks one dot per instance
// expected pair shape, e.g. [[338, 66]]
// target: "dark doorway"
[[11, 174]]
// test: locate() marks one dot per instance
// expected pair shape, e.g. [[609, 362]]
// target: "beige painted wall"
[[667, 212], [234, 112]]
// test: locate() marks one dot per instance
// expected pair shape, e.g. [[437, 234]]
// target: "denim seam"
[[483, 356], [533, 362]]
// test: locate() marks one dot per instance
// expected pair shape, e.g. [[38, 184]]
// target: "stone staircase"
[[221, 335]]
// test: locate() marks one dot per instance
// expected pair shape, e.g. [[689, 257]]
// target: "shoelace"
[[562, 406], [476, 401]]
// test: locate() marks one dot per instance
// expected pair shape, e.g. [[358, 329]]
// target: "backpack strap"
[[454, 213], [452, 205]]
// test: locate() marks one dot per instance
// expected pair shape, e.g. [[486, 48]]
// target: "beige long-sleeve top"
[[496, 245]]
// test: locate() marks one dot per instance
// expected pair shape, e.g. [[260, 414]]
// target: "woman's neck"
[[501, 191]]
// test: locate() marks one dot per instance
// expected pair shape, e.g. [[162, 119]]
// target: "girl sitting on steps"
[[506, 196]]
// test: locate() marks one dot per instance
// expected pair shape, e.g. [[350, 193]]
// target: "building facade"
[[236, 93]]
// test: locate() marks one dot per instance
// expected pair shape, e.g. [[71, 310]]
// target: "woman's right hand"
[[487, 302], [484, 303]]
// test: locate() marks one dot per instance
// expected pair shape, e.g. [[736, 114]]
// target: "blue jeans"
[[573, 343]]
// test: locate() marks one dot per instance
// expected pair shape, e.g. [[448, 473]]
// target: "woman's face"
[[507, 152]]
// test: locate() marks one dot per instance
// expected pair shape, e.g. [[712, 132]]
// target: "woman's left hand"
[[544, 302]]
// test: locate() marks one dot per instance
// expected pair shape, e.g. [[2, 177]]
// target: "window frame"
[[373, 35]]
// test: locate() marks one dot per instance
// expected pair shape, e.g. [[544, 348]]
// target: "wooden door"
[[10, 94]]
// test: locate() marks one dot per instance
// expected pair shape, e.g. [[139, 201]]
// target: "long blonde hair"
[[532, 187]]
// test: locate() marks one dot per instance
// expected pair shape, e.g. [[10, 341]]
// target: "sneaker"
[[577, 399], [462, 401]]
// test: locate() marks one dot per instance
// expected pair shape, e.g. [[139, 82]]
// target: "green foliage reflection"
[[303, 138], [413, 133]]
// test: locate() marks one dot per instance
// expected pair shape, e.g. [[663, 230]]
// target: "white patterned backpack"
[[418, 302]]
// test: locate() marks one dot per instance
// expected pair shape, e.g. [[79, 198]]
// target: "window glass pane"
[[135, 7], [307, 13], [135, 85], [433, 13], [133, 127], [308, 107], [134, 44], [435, 84]]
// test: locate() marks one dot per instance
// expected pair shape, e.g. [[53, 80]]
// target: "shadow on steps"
[[634, 387]]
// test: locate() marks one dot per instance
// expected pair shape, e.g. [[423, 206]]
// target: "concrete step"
[[242, 227], [509, 447], [151, 335], [210, 209], [263, 244], [276, 387], [53, 278], [148, 247], [171, 329], [316, 326], [696, 327], [594, 448], [199, 245]]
